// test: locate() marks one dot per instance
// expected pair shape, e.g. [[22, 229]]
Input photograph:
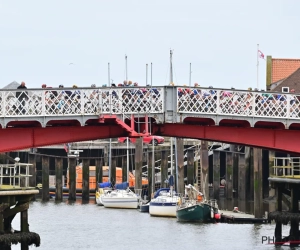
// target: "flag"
[[66, 147], [261, 55]]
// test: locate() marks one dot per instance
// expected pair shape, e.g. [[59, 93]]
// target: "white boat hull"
[[163, 210], [119, 199]]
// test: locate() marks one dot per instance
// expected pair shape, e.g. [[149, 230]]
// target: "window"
[[285, 89]]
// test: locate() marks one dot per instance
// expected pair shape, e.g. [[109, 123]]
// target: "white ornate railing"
[[238, 103], [156, 100], [52, 102]]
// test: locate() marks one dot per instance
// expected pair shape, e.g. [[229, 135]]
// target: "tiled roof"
[[282, 68], [293, 82]]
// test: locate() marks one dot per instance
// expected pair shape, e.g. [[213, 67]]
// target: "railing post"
[[43, 104], [218, 102], [253, 104]]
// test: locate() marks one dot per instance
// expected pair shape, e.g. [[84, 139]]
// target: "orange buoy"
[[199, 197]]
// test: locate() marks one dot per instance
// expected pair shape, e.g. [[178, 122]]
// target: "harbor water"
[[69, 226]]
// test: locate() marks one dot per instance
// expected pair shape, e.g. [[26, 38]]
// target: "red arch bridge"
[[40, 117]]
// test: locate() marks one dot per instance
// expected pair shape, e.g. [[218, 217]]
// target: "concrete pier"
[[190, 167], [229, 175], [180, 165], [164, 168], [204, 168]]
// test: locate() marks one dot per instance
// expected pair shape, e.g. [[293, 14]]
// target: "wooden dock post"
[[190, 167], [216, 173], [204, 168], [58, 179], [271, 172], [124, 168], [138, 157], [149, 170], [32, 170], [180, 165], [235, 171], [229, 175], [294, 231], [249, 172], [164, 168], [99, 171], [258, 201], [72, 178], [45, 178], [85, 180], [113, 169], [242, 177], [278, 227]]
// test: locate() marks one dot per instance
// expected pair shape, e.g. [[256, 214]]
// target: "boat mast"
[[109, 157], [190, 80], [153, 150], [171, 82], [127, 139]]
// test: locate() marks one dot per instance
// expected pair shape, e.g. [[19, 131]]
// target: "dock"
[[240, 217]]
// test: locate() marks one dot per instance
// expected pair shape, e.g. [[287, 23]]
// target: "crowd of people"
[[117, 98]]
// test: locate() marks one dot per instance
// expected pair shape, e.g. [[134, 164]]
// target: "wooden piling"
[[249, 173], [180, 165], [216, 173], [32, 170], [164, 168], [278, 227], [99, 171], [242, 177], [113, 170], [149, 170], [235, 170], [58, 179], [45, 178], [271, 172], [138, 157], [229, 175], [72, 179], [85, 179], [294, 231], [124, 168], [204, 168], [24, 227], [258, 201], [190, 167]]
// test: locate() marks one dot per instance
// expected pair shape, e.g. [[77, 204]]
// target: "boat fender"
[[179, 201], [217, 216], [97, 194], [212, 213]]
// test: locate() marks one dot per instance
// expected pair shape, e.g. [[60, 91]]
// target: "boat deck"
[[233, 217]]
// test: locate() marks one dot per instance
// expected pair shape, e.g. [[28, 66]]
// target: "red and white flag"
[[66, 147], [260, 54]]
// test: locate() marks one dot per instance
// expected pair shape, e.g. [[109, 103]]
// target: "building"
[[283, 75]]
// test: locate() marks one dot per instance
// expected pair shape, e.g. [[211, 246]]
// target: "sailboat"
[[165, 200], [120, 196], [194, 208]]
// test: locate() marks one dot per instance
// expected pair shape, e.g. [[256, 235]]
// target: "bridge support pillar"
[[190, 167], [258, 198], [138, 163], [72, 179], [204, 168], [45, 178], [229, 174], [99, 171], [113, 169], [164, 168], [242, 177], [235, 173], [85, 180], [216, 174], [150, 173], [58, 179], [180, 166]]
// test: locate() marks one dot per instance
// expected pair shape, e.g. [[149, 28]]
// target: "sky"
[[73, 41]]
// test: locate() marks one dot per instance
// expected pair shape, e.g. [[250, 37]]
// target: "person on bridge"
[[22, 97]]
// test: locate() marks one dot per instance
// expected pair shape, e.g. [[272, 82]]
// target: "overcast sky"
[[39, 40]]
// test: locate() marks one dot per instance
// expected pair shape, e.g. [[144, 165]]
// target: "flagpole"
[[257, 82]]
